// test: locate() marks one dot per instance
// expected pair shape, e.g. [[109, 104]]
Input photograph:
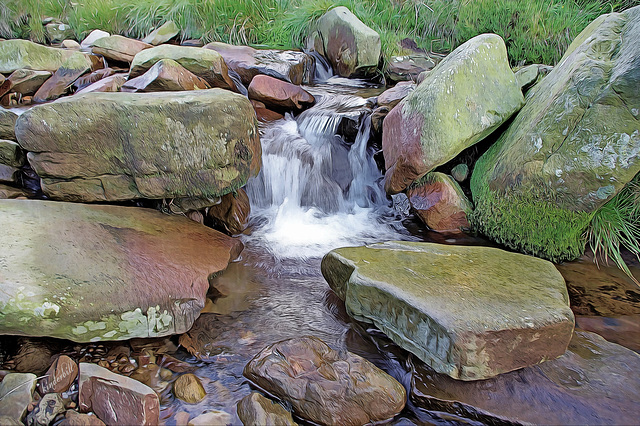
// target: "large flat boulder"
[[118, 48], [460, 102], [23, 54], [91, 272], [469, 312], [288, 65], [326, 386], [206, 64], [573, 146], [352, 48], [594, 382], [120, 146]]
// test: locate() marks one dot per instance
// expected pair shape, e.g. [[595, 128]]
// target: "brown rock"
[[439, 202], [188, 388], [60, 376], [263, 114], [112, 83], [391, 97], [25, 82], [594, 382], [291, 66], [101, 391], [9, 174], [214, 417], [175, 365], [89, 79], [34, 356], [64, 77], [255, 409], [73, 418], [326, 386], [232, 213], [181, 418], [279, 95], [118, 48], [403, 68], [10, 192], [165, 75]]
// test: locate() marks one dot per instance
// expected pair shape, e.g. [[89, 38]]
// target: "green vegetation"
[[536, 31], [616, 225]]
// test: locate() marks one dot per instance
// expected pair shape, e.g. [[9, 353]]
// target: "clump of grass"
[[616, 225]]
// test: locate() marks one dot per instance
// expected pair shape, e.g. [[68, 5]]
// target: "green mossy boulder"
[[162, 34], [122, 146], [573, 146], [469, 312], [24, 54], [352, 48], [7, 124], [460, 102], [205, 63], [97, 272]]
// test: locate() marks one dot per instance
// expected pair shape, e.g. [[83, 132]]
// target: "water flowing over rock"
[[326, 386], [206, 64], [439, 202], [116, 146], [573, 146], [213, 417], [279, 95], [90, 272], [75, 66], [118, 48], [165, 75], [24, 54], [16, 390], [594, 382], [107, 394], [7, 124], [287, 65], [25, 82], [352, 48], [162, 34], [255, 409], [469, 312], [461, 101]]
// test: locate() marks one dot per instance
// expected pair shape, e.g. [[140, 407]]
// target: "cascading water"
[[316, 191]]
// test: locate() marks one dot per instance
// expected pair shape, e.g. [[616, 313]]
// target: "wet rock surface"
[[188, 388], [85, 272], [326, 386], [594, 382], [25, 82], [279, 95], [232, 213], [469, 312], [255, 409]]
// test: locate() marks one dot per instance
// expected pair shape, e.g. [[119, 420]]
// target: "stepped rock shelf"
[[469, 312]]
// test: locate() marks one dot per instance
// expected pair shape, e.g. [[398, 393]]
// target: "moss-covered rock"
[[88, 272], [7, 124], [461, 101], [469, 312], [573, 146], [24, 54], [205, 63], [120, 146], [352, 48], [162, 34]]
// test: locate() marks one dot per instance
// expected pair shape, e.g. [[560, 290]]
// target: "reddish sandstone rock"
[[113, 83], [165, 75], [391, 97], [89, 79], [64, 77], [279, 95], [439, 202], [60, 376], [326, 386], [25, 82], [232, 212], [118, 48], [264, 114], [73, 418], [116, 399]]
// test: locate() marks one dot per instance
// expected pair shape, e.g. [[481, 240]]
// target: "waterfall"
[[318, 190]]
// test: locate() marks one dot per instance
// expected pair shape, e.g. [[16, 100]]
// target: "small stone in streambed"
[[48, 408], [326, 386], [255, 409], [214, 417], [188, 388]]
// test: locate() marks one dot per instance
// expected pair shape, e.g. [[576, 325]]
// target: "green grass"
[[616, 225], [536, 31]]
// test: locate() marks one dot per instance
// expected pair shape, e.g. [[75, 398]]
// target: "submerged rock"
[[287, 65], [460, 102], [469, 312], [188, 388], [89, 272], [255, 409], [206, 64], [326, 386], [213, 417], [573, 146], [165, 75], [439, 202], [115, 146], [16, 390], [116, 399], [279, 95], [594, 382], [352, 48]]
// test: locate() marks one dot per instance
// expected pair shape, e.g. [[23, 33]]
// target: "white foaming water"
[[315, 191]]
